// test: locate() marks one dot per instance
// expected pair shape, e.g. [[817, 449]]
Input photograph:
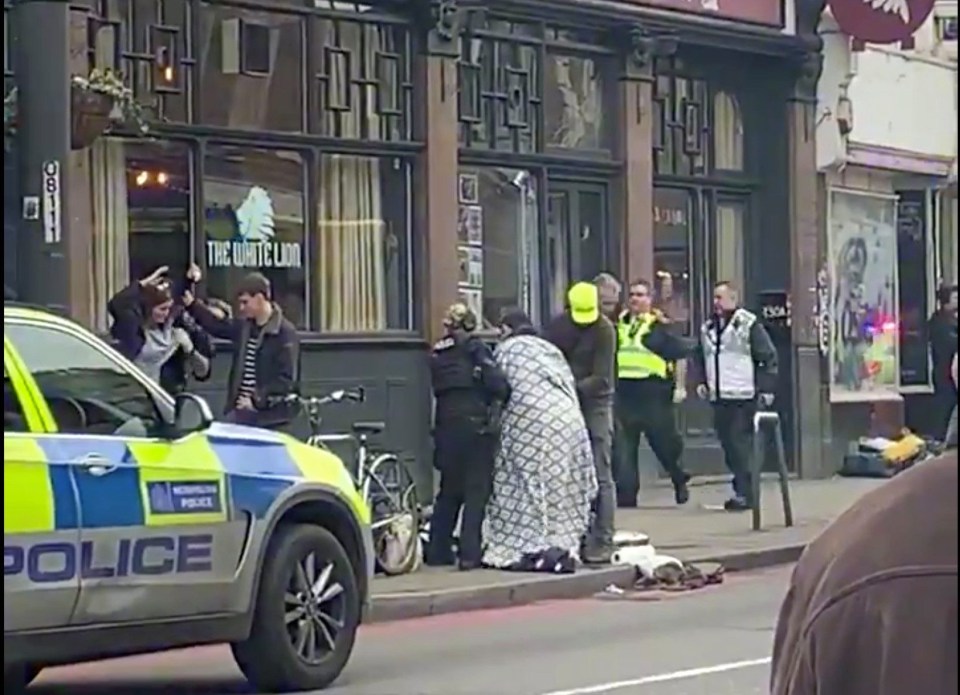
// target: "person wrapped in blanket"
[[544, 480], [153, 331]]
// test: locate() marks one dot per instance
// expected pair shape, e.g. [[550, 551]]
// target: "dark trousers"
[[733, 421], [656, 419], [944, 402], [464, 458]]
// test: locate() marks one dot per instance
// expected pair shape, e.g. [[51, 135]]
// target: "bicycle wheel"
[[392, 496]]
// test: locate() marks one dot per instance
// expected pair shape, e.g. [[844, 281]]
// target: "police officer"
[[646, 353], [469, 388], [737, 364]]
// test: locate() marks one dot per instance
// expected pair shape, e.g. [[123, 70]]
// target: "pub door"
[[576, 246]]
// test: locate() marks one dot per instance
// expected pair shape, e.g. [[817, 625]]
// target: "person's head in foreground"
[[872, 604]]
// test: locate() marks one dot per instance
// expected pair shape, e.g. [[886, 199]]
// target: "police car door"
[[155, 542], [40, 589]]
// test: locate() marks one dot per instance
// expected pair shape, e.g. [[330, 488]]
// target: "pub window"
[[730, 242], [672, 253], [574, 93], [253, 220], [500, 102], [361, 276], [148, 41], [497, 239], [251, 68], [681, 126], [727, 132], [140, 200], [361, 76]]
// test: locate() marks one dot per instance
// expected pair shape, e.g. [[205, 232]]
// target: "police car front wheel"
[[306, 615]]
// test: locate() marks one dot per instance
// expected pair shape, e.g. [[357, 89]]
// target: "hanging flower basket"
[[98, 102], [89, 116]]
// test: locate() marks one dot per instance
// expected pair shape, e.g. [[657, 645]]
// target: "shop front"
[[378, 161]]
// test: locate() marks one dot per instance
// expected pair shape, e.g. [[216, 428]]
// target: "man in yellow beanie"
[[588, 340]]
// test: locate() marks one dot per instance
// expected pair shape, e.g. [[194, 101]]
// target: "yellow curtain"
[[730, 251], [110, 255], [349, 272]]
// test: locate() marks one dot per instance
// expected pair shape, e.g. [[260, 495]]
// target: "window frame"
[[931, 281], [310, 143], [162, 401]]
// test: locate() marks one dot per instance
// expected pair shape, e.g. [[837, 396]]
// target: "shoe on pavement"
[[468, 565], [737, 504], [597, 556]]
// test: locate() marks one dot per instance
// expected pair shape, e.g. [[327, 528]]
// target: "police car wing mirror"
[[191, 414]]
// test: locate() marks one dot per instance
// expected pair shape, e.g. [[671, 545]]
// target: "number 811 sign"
[[51, 203]]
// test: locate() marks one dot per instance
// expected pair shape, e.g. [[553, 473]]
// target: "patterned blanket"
[[544, 479]]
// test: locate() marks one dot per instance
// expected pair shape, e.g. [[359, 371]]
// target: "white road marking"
[[662, 678]]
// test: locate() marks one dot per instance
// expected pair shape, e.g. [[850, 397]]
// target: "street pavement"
[[714, 641], [695, 532]]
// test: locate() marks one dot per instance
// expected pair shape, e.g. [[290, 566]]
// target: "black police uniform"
[[468, 387]]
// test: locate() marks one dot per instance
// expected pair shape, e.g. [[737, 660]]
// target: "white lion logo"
[[255, 216]]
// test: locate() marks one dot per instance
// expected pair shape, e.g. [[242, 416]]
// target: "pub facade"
[[378, 161]]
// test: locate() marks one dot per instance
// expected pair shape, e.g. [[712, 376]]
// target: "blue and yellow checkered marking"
[[248, 469]]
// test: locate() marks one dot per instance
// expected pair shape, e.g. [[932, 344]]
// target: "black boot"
[[681, 490]]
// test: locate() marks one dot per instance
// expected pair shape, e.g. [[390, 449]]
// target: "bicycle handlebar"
[[356, 395]]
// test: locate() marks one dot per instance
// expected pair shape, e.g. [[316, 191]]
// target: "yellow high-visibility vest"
[[634, 360]]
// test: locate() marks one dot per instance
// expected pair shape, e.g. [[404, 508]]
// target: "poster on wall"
[[470, 225], [864, 311]]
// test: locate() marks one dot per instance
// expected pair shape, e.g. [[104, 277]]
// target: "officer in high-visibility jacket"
[[646, 352]]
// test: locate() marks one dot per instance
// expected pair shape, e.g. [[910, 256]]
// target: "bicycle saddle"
[[369, 427]]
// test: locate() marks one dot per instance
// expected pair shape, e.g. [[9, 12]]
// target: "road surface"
[[713, 641]]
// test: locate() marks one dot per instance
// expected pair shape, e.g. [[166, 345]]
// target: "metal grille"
[[148, 41], [681, 127], [363, 79], [500, 97]]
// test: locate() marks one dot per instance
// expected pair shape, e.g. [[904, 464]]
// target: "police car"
[[132, 522]]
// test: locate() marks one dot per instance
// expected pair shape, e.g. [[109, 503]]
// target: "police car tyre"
[[16, 677], [306, 614]]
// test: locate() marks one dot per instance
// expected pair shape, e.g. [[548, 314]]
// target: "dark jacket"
[[943, 346], [127, 329], [466, 381], [762, 349], [591, 351], [872, 606], [277, 367]]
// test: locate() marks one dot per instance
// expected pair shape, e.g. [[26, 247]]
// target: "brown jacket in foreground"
[[872, 608]]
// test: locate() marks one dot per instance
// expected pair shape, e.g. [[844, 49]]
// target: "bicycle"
[[382, 478]]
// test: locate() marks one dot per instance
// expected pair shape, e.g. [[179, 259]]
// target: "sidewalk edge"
[[536, 588]]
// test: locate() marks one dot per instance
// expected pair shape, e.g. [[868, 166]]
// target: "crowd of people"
[[537, 440]]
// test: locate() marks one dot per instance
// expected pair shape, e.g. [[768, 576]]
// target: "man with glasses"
[[646, 353], [738, 368]]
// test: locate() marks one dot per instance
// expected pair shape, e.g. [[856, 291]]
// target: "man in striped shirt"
[[266, 354]]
